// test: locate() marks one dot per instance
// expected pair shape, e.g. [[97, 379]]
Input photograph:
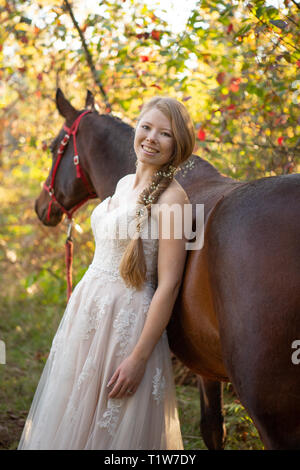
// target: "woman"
[[108, 381]]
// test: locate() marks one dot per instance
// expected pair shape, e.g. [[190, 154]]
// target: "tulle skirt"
[[71, 409]]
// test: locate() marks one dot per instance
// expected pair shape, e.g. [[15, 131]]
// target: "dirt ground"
[[11, 427]]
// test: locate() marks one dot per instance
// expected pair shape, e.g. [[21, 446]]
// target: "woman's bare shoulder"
[[124, 180], [174, 194]]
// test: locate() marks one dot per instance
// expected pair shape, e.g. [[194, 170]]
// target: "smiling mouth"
[[149, 149]]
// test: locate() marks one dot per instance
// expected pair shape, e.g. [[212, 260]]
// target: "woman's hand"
[[127, 377]]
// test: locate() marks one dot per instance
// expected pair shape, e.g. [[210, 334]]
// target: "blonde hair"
[[133, 266]]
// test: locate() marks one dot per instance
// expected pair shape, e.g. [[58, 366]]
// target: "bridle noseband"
[[79, 171], [50, 189]]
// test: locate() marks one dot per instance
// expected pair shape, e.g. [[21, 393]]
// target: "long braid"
[[160, 181], [133, 265]]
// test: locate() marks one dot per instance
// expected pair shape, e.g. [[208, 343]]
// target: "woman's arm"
[[171, 261]]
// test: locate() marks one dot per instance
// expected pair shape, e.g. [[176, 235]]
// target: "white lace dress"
[[100, 327]]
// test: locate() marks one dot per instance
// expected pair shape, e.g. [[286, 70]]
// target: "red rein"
[[50, 189]]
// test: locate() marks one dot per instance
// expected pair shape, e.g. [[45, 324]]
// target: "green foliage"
[[240, 431]]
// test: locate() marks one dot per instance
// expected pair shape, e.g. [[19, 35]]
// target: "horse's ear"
[[64, 107], [89, 101]]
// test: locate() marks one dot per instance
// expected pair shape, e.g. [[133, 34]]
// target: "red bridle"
[[79, 171], [50, 189]]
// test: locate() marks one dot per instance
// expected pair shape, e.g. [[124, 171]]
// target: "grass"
[[27, 327], [241, 433]]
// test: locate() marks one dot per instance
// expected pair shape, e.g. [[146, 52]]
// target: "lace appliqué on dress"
[[124, 323], [88, 369], [159, 384], [73, 408], [110, 417], [93, 314]]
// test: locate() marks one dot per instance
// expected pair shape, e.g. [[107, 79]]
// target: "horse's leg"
[[212, 420]]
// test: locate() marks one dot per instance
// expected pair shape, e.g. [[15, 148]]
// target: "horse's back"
[[254, 263]]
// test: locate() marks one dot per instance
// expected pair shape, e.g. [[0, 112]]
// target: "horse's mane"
[[209, 167], [115, 120], [197, 166]]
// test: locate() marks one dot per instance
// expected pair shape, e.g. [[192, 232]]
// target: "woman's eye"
[[145, 126]]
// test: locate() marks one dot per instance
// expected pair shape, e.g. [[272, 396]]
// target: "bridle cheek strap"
[[69, 213], [79, 171], [50, 189], [49, 207]]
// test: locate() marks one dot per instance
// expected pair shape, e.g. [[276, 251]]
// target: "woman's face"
[[154, 141]]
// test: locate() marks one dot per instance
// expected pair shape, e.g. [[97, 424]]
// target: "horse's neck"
[[112, 154], [203, 183]]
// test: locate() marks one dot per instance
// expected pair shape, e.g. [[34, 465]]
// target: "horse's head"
[[67, 185]]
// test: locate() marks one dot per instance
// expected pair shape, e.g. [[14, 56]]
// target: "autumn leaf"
[[201, 134], [156, 86], [234, 85], [24, 39], [155, 35], [142, 35], [221, 77], [144, 58], [280, 140], [230, 28], [153, 17]]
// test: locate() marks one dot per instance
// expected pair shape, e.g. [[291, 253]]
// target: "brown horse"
[[238, 311]]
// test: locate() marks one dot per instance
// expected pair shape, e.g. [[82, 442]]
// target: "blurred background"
[[234, 64]]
